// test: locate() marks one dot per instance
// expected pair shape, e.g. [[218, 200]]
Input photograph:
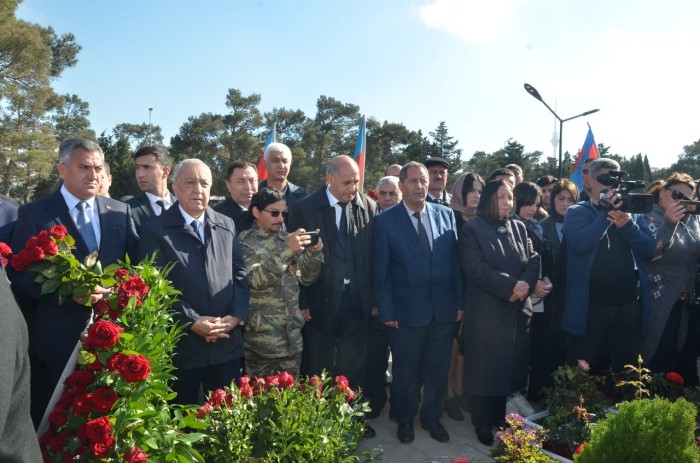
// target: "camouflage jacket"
[[274, 275]]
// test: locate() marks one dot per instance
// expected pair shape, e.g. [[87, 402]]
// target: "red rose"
[[58, 231], [103, 399], [317, 384], [101, 306], [65, 400], [217, 397], [341, 383], [82, 433], [32, 242], [121, 274], [114, 361], [98, 430], [43, 239], [125, 296], [5, 249], [229, 399], [349, 395], [134, 368], [246, 391], [101, 449], [204, 409], [258, 385], [35, 254], [245, 379], [273, 380], [286, 380], [135, 455], [134, 283], [19, 261], [114, 313], [79, 378], [95, 366], [51, 249], [103, 334], [58, 417], [675, 378], [58, 442], [83, 404]]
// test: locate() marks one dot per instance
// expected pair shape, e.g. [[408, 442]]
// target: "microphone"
[[608, 180]]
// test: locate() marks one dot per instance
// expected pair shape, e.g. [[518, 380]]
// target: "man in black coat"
[[152, 170], [242, 184], [210, 274], [338, 306], [278, 161], [105, 226]]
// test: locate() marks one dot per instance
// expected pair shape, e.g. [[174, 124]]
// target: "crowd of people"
[[476, 295]]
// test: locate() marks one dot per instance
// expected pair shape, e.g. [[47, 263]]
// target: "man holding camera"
[[277, 262], [605, 250]]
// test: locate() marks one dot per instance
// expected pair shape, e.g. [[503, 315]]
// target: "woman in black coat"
[[501, 269]]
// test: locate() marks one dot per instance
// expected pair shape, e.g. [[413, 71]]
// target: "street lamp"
[[150, 127], [533, 91]]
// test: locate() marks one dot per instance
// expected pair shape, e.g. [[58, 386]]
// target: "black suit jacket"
[[210, 275], [242, 218], [324, 296], [292, 196], [56, 329], [141, 210], [8, 216]]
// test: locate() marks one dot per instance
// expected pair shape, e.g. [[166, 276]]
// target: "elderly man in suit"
[[419, 292], [210, 274], [242, 184], [152, 170], [278, 162], [97, 224]]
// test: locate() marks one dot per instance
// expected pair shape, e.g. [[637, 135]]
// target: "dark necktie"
[[161, 204], [422, 234], [195, 227], [85, 227], [343, 226]]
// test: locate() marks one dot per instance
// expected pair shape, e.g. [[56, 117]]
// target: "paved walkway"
[[463, 442]]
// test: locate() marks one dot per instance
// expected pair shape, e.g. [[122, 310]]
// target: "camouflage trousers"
[[256, 365]]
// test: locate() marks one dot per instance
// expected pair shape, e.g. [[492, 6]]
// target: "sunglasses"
[[678, 196], [277, 213]]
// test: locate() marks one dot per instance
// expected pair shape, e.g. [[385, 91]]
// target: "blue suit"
[[423, 293]]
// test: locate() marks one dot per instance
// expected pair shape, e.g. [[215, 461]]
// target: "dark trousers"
[[415, 351], [548, 350], [374, 385], [487, 411], [190, 380], [665, 358], [342, 351], [617, 327], [687, 364]]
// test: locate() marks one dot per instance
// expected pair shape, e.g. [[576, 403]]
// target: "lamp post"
[[533, 91], [150, 127]]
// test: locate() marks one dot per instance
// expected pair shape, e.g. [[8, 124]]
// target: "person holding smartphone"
[[277, 262]]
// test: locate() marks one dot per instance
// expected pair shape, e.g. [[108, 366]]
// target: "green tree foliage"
[[119, 154], [445, 146], [69, 118], [689, 160]]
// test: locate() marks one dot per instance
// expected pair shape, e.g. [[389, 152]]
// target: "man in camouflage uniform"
[[277, 263]]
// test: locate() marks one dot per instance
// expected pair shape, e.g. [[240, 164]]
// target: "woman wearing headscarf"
[[501, 270]]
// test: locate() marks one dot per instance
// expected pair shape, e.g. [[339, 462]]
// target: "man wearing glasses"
[[277, 262]]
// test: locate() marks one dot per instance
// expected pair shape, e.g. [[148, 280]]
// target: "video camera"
[[635, 203]]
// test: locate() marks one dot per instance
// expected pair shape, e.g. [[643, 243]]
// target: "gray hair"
[[388, 180], [186, 162], [404, 170], [68, 147], [602, 163], [276, 147]]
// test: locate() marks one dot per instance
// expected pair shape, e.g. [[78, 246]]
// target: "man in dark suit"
[[437, 180], [278, 161], [242, 184], [210, 274], [338, 306], [152, 170], [97, 224], [418, 290]]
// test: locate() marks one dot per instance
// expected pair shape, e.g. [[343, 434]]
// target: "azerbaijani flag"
[[360, 151], [589, 150], [262, 171]]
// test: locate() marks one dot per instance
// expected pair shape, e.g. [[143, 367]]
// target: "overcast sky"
[[412, 62]]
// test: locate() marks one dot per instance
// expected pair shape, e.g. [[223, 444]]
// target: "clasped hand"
[[215, 328], [520, 291]]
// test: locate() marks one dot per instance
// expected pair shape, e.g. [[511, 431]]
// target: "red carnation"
[[79, 378], [273, 380], [342, 383], [245, 379], [98, 430], [58, 231], [135, 455], [258, 385], [675, 377], [103, 334], [286, 380], [217, 397], [103, 399], [204, 409], [134, 368], [101, 449], [349, 395], [246, 391]]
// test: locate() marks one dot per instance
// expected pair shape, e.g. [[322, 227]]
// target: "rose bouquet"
[[114, 406], [276, 419]]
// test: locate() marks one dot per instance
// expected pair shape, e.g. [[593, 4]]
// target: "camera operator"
[[671, 271], [605, 250]]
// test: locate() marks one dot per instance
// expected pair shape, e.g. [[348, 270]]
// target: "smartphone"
[[314, 237]]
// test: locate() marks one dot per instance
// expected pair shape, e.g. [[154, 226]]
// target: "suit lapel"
[[409, 228], [59, 209]]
